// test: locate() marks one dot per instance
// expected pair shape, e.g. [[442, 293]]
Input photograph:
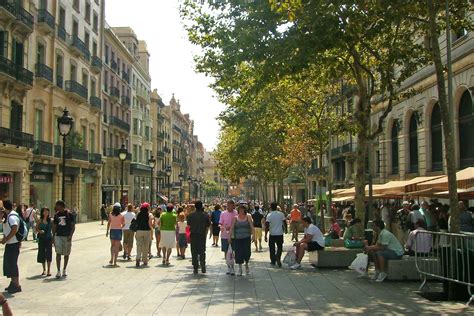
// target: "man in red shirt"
[[295, 222]]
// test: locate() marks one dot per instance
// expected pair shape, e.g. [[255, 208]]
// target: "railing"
[[81, 46], [58, 151], [24, 75], [119, 123], [176, 160], [125, 76], [96, 62], [114, 91], [142, 94], [25, 17], [62, 34], [346, 148], [59, 81], [16, 71], [113, 152], [113, 65], [18, 138], [160, 154], [318, 171], [9, 6], [95, 158], [445, 256], [43, 148], [43, 71], [95, 102], [166, 150], [45, 17], [77, 153], [126, 100], [75, 87], [7, 67]]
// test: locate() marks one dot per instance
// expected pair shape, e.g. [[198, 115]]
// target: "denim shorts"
[[182, 241], [116, 234], [388, 254]]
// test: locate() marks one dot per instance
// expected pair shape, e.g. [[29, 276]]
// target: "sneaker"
[[14, 289], [58, 275], [295, 266], [64, 274], [375, 276], [382, 276]]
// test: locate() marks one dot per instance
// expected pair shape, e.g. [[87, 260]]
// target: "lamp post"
[[152, 164], [181, 178], [190, 182], [122, 155], [65, 124], [168, 175]]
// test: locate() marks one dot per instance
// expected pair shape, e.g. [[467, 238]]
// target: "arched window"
[[413, 143], [436, 140], [466, 131], [394, 137]]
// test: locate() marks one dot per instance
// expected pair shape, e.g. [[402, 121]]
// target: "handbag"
[[134, 225], [360, 263], [353, 244]]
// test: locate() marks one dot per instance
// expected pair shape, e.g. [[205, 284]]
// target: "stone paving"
[[92, 288]]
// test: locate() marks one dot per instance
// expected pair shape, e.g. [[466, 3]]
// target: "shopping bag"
[[360, 263], [290, 257], [229, 257], [188, 234]]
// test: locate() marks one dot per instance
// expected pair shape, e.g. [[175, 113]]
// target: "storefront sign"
[[41, 177], [6, 179]]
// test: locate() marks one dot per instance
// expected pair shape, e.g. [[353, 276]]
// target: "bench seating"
[[405, 269], [333, 257]]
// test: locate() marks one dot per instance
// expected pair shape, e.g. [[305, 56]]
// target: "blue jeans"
[[29, 225]]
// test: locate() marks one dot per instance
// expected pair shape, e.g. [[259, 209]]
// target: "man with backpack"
[[13, 234]]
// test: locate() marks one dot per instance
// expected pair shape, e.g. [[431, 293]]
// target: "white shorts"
[[168, 239]]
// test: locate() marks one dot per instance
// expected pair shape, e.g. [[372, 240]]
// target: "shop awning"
[[402, 187], [465, 180], [463, 193], [162, 196], [424, 192]]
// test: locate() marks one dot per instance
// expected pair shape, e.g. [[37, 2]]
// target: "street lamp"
[[190, 182], [152, 164], [65, 124], [168, 175], [181, 178], [122, 155]]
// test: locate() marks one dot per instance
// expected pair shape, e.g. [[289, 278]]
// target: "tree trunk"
[[448, 130], [281, 198], [320, 191]]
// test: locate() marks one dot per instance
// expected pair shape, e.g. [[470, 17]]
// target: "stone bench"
[[336, 243], [405, 268], [333, 257]]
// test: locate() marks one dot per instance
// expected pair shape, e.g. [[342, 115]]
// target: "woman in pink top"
[[114, 225]]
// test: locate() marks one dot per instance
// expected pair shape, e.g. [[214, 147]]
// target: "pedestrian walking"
[[29, 215], [199, 223], [295, 222], [225, 223], [215, 217], [168, 233], [182, 242], [114, 229], [63, 230], [156, 223], [128, 234], [257, 218], [45, 241], [274, 225], [12, 246], [242, 234], [144, 234], [103, 214]]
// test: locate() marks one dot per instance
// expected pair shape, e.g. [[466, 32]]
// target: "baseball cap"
[[145, 204]]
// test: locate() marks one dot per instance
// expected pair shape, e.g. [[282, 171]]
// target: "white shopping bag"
[[230, 257], [360, 263], [290, 257]]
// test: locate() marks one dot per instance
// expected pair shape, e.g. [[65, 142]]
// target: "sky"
[[171, 60]]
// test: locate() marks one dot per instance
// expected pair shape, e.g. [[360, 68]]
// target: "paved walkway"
[[92, 288]]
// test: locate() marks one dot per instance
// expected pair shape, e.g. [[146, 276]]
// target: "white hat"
[[406, 203], [117, 205]]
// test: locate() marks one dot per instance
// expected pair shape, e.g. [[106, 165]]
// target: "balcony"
[[23, 20], [17, 138], [76, 91], [160, 154], [125, 100], [161, 135], [43, 148], [96, 64], [44, 73], [176, 143], [59, 81], [113, 65], [318, 171], [139, 167], [58, 151], [113, 152], [95, 158], [125, 76], [9, 71], [45, 21], [77, 153], [95, 103], [177, 160], [61, 33], [119, 123], [114, 94], [79, 47], [143, 96], [166, 150]]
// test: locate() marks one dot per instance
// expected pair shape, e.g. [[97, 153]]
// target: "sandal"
[[164, 261]]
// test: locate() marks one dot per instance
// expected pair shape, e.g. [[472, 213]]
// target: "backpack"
[[22, 229]]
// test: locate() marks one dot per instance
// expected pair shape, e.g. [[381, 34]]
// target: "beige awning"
[[465, 180], [402, 187], [463, 193]]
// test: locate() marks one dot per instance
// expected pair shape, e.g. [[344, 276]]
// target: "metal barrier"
[[450, 258]]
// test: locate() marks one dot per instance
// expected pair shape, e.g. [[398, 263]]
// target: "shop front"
[[41, 185], [6, 186]]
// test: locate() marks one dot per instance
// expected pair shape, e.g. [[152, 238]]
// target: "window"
[[106, 54], [106, 81], [62, 18], [104, 141], [38, 124], [75, 5], [147, 132], [466, 131], [94, 48], [59, 70], [73, 72], [85, 79], [436, 140], [88, 12], [394, 139], [135, 153], [459, 33], [87, 39], [135, 126], [40, 54], [413, 144], [140, 154], [43, 4], [95, 23], [56, 132], [75, 28], [377, 161], [93, 88], [84, 136], [91, 141], [3, 43]]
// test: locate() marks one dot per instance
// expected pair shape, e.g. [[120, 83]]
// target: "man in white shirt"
[[12, 246], [30, 218], [313, 240], [274, 225], [128, 215], [419, 241]]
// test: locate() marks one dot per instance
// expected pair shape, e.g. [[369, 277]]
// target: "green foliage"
[[211, 189], [74, 140]]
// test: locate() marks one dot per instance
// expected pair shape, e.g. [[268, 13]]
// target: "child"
[[182, 243]]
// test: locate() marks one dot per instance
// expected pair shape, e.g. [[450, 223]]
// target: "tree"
[[211, 189]]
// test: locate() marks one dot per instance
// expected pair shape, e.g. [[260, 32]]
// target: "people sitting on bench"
[[387, 248], [313, 240], [419, 241], [354, 235]]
